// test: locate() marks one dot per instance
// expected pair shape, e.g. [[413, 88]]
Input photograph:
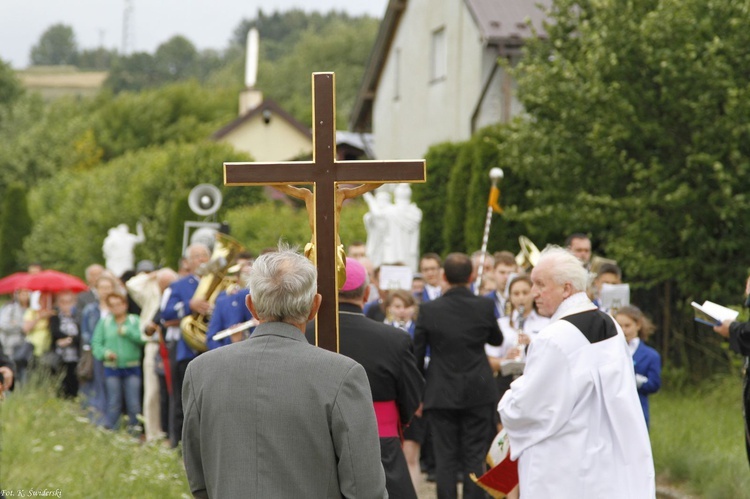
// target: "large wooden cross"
[[324, 172]]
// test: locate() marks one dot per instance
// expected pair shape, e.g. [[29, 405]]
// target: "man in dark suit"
[[460, 394], [273, 416], [387, 355]]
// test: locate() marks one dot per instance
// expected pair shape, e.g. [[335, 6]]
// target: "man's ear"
[[251, 306], [315, 306], [567, 290], [366, 296]]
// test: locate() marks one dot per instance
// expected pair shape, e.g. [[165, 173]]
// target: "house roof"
[[499, 22], [269, 105]]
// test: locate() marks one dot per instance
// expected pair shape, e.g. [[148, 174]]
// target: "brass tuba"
[[213, 281], [529, 255]]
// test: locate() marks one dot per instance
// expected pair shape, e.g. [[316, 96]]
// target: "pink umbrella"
[[52, 281], [9, 284]]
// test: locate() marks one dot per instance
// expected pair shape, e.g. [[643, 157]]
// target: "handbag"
[[85, 367]]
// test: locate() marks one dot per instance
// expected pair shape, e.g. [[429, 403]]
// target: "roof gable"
[[500, 20], [266, 105]]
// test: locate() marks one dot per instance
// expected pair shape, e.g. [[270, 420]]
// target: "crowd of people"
[[438, 357]]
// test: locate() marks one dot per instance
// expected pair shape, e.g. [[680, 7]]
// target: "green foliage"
[[179, 214], [15, 225], [455, 209], [182, 112], [10, 86], [281, 30], [100, 59], [342, 47], [175, 60], [74, 210], [40, 139], [636, 133], [56, 46], [431, 197], [262, 225], [49, 444], [697, 438]]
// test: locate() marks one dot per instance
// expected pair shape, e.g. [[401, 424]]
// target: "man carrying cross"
[[303, 424]]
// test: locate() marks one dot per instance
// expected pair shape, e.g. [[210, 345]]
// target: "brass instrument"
[[214, 280], [529, 255]]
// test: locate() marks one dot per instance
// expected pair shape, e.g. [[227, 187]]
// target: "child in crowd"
[[400, 308], [646, 361]]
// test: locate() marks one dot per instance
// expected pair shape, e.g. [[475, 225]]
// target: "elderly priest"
[[574, 421]]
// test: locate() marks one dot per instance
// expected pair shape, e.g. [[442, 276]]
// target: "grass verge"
[[47, 444], [697, 438]]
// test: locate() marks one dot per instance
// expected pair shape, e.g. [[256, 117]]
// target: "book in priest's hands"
[[713, 314]]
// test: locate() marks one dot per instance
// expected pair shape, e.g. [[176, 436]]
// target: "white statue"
[[118, 248], [376, 224], [393, 229]]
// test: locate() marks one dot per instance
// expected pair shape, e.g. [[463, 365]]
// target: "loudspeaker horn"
[[205, 199]]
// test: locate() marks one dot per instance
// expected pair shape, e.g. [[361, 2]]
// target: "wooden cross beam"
[[324, 203]]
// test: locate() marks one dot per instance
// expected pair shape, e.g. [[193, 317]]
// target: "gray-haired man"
[[273, 416], [574, 420]]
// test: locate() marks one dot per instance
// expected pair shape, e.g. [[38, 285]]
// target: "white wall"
[[428, 112]]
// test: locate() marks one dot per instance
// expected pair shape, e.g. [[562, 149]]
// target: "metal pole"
[[495, 175]]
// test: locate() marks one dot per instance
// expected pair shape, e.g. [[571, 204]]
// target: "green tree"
[[55, 47], [637, 133], [177, 59], [15, 225], [343, 47], [180, 213], [96, 59], [10, 87], [181, 112], [431, 197], [134, 72], [74, 209], [456, 193]]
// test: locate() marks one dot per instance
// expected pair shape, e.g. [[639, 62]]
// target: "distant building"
[[270, 134], [59, 81], [433, 75]]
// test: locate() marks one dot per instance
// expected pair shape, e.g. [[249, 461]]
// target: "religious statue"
[[342, 194], [393, 228], [118, 248]]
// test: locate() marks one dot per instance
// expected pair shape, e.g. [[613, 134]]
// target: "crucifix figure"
[[324, 202]]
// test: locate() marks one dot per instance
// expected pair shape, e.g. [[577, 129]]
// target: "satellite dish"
[[205, 199]]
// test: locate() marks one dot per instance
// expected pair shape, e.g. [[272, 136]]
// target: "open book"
[[713, 314]]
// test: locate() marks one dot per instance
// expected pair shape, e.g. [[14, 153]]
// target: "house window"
[[439, 61]]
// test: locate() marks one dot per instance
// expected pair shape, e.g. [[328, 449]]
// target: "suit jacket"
[[178, 306], [273, 416], [647, 362], [228, 311], [387, 355], [456, 327]]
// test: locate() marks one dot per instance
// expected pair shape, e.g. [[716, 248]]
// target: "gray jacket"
[[274, 416]]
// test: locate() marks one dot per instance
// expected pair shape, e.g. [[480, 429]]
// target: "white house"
[[433, 75]]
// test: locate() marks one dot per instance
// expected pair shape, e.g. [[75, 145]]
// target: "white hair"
[[283, 285], [564, 267]]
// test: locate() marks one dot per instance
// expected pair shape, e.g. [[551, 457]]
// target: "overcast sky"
[[207, 23]]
